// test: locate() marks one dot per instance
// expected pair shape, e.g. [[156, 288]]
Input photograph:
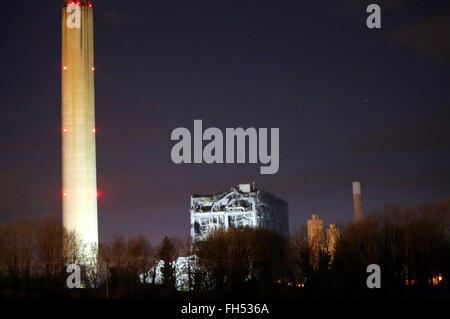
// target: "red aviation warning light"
[[93, 68], [79, 3], [65, 130], [65, 194], [65, 68]]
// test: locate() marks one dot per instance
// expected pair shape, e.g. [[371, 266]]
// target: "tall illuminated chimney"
[[79, 176], [357, 205]]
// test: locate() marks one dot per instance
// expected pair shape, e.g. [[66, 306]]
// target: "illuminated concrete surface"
[[79, 178], [315, 238], [332, 238]]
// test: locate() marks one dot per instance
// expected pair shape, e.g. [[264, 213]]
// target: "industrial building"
[[315, 231], [332, 238], [315, 238], [244, 205]]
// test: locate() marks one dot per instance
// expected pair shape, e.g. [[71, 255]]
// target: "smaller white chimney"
[[356, 188], [357, 203]]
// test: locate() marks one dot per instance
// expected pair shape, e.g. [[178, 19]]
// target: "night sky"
[[351, 104]]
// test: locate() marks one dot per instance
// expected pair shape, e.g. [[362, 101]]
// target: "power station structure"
[[244, 205], [316, 239], [332, 239], [79, 176], [315, 231], [357, 204]]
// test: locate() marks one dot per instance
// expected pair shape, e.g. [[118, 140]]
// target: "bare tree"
[[50, 236], [168, 254]]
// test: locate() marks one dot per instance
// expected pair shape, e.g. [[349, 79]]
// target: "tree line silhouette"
[[410, 244]]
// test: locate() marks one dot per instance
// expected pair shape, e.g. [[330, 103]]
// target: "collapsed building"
[[244, 205]]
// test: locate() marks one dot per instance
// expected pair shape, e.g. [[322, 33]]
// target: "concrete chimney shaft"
[[357, 204]]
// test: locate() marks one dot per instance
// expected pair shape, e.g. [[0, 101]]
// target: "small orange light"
[[65, 68], [93, 68], [94, 131], [65, 130], [65, 194]]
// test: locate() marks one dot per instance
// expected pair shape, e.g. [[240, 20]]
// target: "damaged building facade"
[[244, 205]]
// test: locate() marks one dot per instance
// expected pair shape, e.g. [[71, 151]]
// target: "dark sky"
[[351, 104]]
